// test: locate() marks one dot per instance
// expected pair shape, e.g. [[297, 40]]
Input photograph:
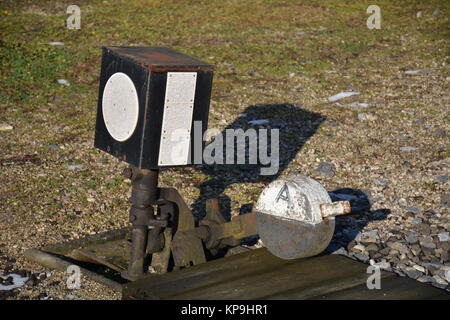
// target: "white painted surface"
[[120, 106], [342, 95], [290, 223], [297, 198], [177, 119], [181, 87]]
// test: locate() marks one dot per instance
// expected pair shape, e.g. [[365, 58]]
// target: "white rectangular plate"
[[177, 118]]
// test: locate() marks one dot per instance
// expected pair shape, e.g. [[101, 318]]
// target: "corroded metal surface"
[[184, 220], [238, 228], [335, 208], [161, 59]]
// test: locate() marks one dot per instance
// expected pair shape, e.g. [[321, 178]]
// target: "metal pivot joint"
[[143, 196]]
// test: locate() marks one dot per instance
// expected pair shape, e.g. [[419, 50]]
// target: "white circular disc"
[[120, 106]]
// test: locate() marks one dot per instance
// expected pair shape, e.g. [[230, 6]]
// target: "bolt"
[[335, 208]]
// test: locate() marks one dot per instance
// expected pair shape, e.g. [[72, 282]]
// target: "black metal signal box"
[[149, 99]]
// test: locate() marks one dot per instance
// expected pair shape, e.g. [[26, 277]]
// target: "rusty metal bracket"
[[189, 251], [222, 233], [160, 260], [213, 217], [214, 231]]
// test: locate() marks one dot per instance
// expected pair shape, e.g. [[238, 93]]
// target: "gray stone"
[[372, 248], [325, 170], [428, 254], [53, 147], [412, 238], [375, 255], [75, 166], [381, 182], [445, 255], [423, 228], [340, 251], [340, 95], [414, 210], [370, 234], [351, 244], [383, 264], [445, 200], [408, 148], [413, 273], [367, 116], [403, 138], [399, 272], [439, 132], [426, 279], [359, 247], [441, 179], [397, 246], [429, 245], [444, 236], [438, 285], [426, 239], [259, 122], [432, 266], [369, 240], [417, 220], [416, 250], [361, 257]]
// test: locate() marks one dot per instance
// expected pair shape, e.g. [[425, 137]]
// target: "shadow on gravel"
[[348, 229], [295, 126]]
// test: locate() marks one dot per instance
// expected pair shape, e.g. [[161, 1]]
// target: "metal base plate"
[[101, 257]]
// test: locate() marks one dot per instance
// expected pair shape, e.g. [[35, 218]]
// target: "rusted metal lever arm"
[[245, 225], [214, 230], [238, 228]]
